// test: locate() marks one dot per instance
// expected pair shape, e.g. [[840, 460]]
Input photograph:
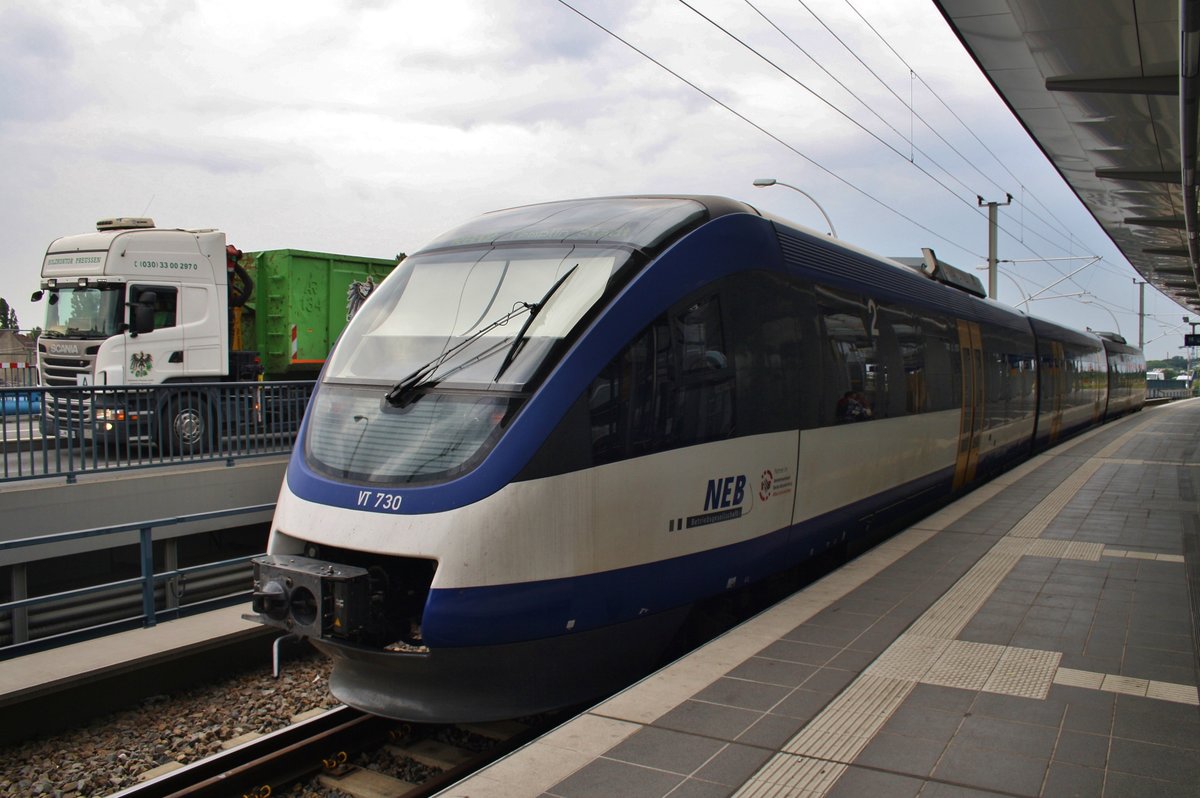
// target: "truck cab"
[[142, 323], [130, 305], [98, 284]]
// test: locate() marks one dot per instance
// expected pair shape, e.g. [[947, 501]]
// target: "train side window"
[[763, 313], [702, 409], [911, 339], [853, 373], [650, 378], [626, 400], [942, 362], [671, 386]]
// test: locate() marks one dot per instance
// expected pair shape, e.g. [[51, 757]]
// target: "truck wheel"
[[189, 430]]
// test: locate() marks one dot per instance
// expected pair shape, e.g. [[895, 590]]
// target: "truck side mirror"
[[37, 296], [143, 313]]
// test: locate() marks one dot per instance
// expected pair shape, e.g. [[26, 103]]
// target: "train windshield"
[[452, 307], [354, 435], [437, 358]]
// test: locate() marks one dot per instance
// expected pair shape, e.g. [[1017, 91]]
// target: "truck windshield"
[[85, 312], [433, 302]]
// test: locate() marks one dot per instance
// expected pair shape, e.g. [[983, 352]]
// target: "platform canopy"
[[1101, 87]]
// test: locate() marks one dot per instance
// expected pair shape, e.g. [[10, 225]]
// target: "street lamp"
[[770, 181], [1113, 316]]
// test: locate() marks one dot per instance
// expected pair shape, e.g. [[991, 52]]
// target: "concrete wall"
[[42, 507]]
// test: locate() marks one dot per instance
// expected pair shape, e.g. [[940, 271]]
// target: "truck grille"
[[59, 370], [68, 413]]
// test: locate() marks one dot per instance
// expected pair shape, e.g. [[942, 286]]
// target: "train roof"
[[647, 222], [641, 221], [1052, 330]]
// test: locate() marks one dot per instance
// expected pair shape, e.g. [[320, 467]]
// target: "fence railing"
[[17, 374], [1168, 389], [38, 622], [68, 431]]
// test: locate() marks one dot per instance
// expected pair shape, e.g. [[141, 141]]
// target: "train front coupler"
[[313, 598]]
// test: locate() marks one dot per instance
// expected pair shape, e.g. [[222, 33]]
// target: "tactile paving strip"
[[910, 657], [1143, 555], [1066, 549], [954, 610], [1111, 683], [1037, 519], [845, 727], [788, 776], [965, 665], [1023, 672]]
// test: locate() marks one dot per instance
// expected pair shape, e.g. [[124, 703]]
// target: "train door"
[[970, 427], [1058, 389]]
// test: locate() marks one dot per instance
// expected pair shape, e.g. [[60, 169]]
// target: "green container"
[[298, 308]]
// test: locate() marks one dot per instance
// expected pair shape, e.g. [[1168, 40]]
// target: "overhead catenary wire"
[[828, 103], [766, 132], [1062, 230], [1065, 231], [778, 139], [913, 113], [855, 122]]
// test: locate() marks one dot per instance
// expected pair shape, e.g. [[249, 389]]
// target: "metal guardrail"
[[67, 431], [1153, 392], [159, 590]]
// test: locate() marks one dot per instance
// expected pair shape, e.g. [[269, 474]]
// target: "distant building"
[[16, 348], [18, 359]]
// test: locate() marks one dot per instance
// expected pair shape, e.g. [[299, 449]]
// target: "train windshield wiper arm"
[[401, 392], [533, 311]]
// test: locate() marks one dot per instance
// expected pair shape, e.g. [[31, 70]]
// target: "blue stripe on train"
[[548, 608]]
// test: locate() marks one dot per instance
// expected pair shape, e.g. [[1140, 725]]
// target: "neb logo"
[[725, 492]]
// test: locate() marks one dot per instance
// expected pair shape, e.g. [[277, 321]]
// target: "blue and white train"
[[556, 428]]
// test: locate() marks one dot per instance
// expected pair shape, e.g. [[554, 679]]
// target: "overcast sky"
[[370, 127]]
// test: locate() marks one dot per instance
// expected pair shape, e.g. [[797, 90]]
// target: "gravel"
[[110, 753]]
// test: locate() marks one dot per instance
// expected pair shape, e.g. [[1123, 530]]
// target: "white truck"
[[135, 305]]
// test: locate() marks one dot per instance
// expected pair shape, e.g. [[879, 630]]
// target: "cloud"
[[35, 68], [371, 126]]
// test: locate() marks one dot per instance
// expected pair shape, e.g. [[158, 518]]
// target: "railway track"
[[326, 748]]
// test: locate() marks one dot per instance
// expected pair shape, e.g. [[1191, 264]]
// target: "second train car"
[[556, 428]]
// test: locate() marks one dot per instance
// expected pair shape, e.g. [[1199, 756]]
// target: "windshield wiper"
[[401, 393], [533, 311]]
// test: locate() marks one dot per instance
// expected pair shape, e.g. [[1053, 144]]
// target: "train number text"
[[379, 500]]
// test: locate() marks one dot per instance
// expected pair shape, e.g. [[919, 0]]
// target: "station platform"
[[1036, 638], [42, 692], [44, 672]]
